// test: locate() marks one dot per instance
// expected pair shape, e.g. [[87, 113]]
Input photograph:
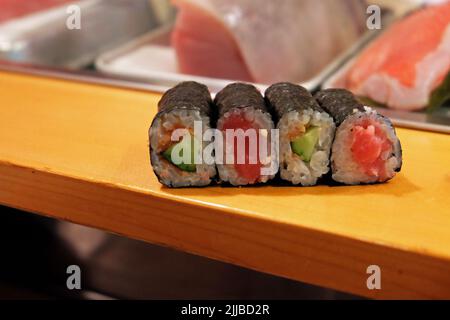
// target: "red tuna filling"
[[205, 47], [369, 143], [250, 172]]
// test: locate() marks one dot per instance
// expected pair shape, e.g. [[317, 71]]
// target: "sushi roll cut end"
[[179, 109], [366, 148], [305, 133], [242, 109]]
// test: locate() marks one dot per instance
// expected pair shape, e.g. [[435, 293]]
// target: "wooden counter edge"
[[297, 253]]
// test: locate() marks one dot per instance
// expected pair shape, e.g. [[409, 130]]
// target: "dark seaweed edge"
[[300, 99], [339, 103], [226, 99], [162, 109]]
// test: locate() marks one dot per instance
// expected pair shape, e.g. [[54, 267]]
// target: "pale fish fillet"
[[264, 40]]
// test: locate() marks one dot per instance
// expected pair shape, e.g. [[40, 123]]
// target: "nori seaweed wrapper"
[[188, 95], [239, 95], [285, 97], [339, 103]]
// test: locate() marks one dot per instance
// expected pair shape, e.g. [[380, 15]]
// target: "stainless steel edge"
[[43, 38], [81, 76], [439, 121]]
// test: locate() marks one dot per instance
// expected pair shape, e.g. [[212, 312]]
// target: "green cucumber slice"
[[188, 167], [305, 144]]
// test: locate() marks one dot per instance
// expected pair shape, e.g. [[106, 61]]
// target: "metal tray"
[[160, 60], [154, 47], [44, 39], [438, 120]]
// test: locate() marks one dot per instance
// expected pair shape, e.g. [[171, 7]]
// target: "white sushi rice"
[[292, 167], [260, 119], [345, 169], [161, 131]]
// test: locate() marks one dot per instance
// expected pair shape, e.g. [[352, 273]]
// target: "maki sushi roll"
[[306, 133], [246, 125], [366, 148], [172, 133]]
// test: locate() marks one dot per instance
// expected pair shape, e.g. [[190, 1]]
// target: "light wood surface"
[[78, 152]]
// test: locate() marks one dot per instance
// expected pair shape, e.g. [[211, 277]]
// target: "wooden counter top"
[[78, 152]]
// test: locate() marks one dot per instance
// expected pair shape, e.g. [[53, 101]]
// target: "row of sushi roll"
[[304, 137]]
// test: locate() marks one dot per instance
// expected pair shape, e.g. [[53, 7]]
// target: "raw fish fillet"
[[406, 63], [10, 9], [264, 41]]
